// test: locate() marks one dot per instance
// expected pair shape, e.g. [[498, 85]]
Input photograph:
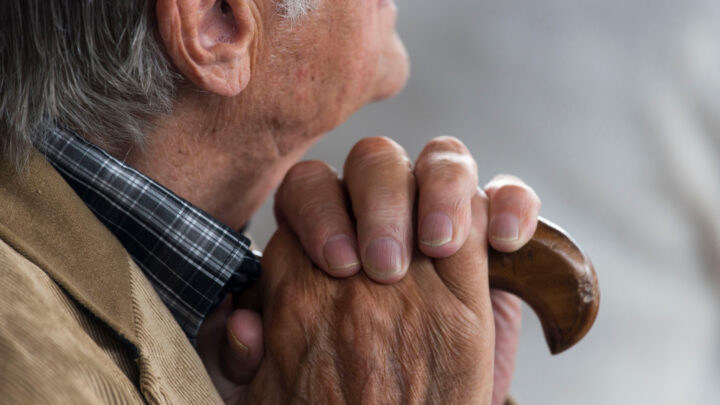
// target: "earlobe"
[[209, 41]]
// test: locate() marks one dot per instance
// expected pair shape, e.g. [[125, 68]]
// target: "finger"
[[507, 312], [215, 352], [466, 272], [211, 336], [293, 291], [514, 209], [311, 199], [446, 176], [242, 350], [381, 185]]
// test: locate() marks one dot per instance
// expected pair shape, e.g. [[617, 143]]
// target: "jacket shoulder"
[[53, 350]]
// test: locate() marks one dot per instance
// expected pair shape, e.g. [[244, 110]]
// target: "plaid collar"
[[191, 259]]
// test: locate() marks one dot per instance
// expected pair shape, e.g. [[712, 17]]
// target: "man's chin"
[[381, 96], [397, 68]]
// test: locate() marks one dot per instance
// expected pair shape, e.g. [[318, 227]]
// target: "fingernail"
[[436, 229], [383, 257], [505, 228], [241, 351], [340, 253]]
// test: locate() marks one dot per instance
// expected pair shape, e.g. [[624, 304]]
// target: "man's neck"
[[223, 171]]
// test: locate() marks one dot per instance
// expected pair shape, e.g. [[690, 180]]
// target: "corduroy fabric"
[[52, 350], [79, 322]]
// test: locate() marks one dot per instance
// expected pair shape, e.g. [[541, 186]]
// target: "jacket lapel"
[[43, 219]]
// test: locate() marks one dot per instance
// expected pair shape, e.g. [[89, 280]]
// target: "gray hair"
[[95, 67], [91, 66]]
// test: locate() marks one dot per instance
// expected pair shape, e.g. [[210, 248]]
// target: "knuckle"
[[293, 197], [376, 148], [447, 143], [376, 143], [502, 180], [448, 177], [449, 187], [320, 214], [511, 190], [307, 171], [445, 164], [519, 199], [514, 192]]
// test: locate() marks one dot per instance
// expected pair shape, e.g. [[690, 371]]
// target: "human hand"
[[428, 338], [365, 220], [444, 163], [337, 218]]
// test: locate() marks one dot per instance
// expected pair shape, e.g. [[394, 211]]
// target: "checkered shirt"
[[191, 259]]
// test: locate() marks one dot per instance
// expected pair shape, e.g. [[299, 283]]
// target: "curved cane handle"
[[552, 275]]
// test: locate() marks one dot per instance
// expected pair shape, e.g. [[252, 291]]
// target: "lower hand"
[[428, 338]]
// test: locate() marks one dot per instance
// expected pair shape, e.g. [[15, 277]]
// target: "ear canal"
[[225, 8]]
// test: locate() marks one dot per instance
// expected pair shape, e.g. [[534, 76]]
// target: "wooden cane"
[[554, 276]]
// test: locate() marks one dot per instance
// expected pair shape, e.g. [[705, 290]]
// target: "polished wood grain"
[[554, 276]]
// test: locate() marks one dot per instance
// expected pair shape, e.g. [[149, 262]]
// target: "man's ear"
[[209, 41]]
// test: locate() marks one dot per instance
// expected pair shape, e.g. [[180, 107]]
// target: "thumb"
[[242, 350], [228, 363]]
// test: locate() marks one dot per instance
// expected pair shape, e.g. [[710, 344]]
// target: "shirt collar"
[[191, 259]]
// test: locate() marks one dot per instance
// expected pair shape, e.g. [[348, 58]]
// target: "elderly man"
[[139, 135]]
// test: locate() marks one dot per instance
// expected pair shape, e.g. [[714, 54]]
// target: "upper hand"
[[365, 220]]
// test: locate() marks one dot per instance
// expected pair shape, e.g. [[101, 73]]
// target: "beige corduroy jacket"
[[79, 322]]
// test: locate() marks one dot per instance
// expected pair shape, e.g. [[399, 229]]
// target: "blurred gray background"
[[610, 109]]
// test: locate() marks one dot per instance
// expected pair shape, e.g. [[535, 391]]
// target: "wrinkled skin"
[[428, 338]]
